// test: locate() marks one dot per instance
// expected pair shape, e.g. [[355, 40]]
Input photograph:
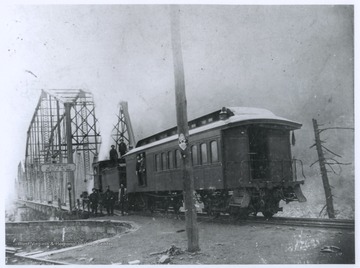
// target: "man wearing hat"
[[93, 198], [113, 155]]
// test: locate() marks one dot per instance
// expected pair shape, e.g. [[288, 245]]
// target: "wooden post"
[[183, 131], [328, 195]]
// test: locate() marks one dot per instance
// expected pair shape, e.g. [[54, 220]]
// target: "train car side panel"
[[111, 178]]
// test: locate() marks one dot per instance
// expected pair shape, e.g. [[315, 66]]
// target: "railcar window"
[[164, 161], [177, 158], [214, 152], [157, 162], [194, 155], [204, 155], [171, 159]]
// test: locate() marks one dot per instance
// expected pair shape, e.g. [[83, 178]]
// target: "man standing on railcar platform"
[[141, 169], [122, 148], [113, 155]]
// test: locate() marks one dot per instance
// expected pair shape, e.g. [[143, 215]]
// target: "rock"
[[91, 259], [164, 259], [134, 262]]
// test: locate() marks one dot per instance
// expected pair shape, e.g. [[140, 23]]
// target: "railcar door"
[[258, 151], [235, 155], [279, 155]]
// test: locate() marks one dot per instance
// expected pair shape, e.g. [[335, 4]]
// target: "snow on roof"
[[250, 113], [240, 114]]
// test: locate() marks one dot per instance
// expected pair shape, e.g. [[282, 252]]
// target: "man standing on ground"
[[93, 198], [109, 201], [122, 196]]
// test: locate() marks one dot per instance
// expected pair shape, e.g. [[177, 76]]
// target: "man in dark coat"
[[85, 200], [94, 199], [141, 169], [101, 201], [109, 199], [122, 198], [122, 148], [113, 155]]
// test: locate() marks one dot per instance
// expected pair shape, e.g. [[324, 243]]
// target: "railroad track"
[[306, 222], [299, 222]]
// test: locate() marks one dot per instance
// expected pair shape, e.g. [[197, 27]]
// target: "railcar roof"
[[246, 115]]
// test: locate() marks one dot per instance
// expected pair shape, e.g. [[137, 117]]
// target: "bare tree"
[[323, 162]]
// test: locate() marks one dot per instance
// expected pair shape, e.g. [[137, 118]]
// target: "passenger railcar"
[[241, 159]]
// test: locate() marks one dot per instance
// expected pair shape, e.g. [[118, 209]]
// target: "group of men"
[[113, 154], [98, 200]]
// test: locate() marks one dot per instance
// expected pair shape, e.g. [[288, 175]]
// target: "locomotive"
[[241, 160]]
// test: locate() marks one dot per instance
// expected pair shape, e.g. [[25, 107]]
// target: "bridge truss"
[[62, 131]]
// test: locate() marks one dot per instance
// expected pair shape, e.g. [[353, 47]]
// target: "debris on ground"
[[330, 249], [164, 259], [172, 251], [134, 262]]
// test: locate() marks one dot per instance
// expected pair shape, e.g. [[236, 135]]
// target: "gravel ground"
[[219, 243]]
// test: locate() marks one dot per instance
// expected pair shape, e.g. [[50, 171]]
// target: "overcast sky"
[[297, 61]]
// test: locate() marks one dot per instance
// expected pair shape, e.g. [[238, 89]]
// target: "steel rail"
[[288, 221]]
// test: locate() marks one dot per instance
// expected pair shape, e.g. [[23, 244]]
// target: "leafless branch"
[[336, 162], [322, 209], [323, 129], [312, 145], [314, 163], [330, 151], [332, 168]]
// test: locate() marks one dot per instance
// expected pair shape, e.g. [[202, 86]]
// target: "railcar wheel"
[[271, 208], [238, 213], [244, 213], [267, 214], [176, 204]]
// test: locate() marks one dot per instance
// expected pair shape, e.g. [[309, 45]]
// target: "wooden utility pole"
[[183, 131], [69, 148], [328, 195]]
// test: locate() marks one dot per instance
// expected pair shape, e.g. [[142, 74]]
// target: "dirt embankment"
[[220, 244]]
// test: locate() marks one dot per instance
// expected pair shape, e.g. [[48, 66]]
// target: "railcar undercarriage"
[[239, 203], [242, 202], [169, 200]]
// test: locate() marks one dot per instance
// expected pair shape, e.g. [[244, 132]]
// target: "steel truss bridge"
[[62, 142]]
